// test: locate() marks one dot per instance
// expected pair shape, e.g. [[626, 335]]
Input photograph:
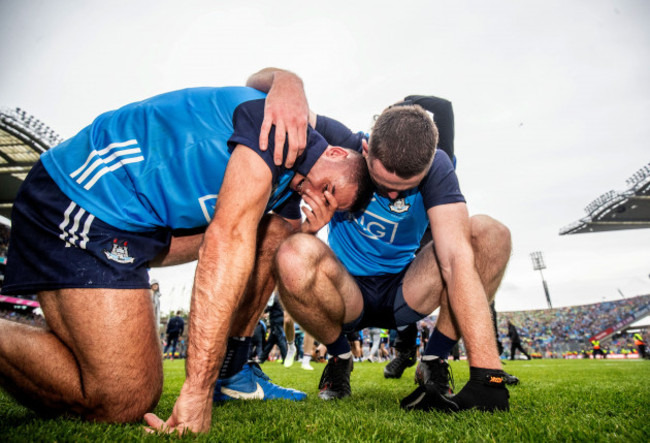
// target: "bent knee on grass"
[[124, 402]]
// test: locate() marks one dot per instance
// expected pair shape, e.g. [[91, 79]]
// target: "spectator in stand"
[[515, 342], [175, 328]]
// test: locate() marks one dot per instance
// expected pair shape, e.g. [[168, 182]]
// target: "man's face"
[[389, 184], [330, 173], [329, 179]]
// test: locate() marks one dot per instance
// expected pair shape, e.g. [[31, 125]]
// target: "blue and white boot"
[[252, 384]]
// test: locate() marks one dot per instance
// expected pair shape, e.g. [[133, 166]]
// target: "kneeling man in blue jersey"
[[167, 180], [370, 275]]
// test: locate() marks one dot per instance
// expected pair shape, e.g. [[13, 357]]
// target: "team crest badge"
[[119, 253], [399, 206]]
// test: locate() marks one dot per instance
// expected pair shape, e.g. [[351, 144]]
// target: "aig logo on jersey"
[[377, 228], [399, 206]]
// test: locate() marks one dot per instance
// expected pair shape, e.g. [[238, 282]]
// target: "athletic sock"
[[438, 345], [339, 347], [236, 356], [306, 359]]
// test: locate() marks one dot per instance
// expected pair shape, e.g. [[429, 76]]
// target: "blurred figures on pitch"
[[640, 344], [276, 334], [597, 349], [515, 342], [175, 328], [155, 298]]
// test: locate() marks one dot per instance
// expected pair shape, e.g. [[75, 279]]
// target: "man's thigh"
[[112, 336], [423, 284]]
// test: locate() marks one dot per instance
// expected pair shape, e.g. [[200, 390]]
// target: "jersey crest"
[[119, 253], [399, 206]]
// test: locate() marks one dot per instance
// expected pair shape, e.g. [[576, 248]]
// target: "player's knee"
[[295, 260], [125, 402], [490, 233]]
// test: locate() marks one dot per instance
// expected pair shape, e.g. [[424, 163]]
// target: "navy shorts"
[[56, 244], [383, 303]]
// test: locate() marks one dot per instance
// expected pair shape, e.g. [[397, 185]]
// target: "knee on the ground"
[[124, 402]]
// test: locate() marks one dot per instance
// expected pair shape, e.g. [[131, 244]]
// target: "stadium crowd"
[[554, 332], [548, 333]]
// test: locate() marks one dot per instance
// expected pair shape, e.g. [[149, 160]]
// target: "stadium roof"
[[23, 139], [629, 209]]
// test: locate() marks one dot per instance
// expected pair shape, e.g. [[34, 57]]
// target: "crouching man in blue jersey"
[[96, 211], [370, 276]]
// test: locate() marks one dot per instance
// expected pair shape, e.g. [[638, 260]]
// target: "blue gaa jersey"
[[160, 162], [383, 238]]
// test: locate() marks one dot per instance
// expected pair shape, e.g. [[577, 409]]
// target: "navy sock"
[[340, 346], [236, 356], [439, 345]]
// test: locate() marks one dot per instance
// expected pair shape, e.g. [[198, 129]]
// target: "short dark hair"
[[404, 140]]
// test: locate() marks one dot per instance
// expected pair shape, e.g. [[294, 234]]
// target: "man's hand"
[[286, 108], [320, 211], [192, 413]]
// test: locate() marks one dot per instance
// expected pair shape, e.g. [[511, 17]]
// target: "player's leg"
[[405, 351], [290, 335], [491, 245], [308, 349], [321, 296], [98, 358], [237, 378], [315, 288]]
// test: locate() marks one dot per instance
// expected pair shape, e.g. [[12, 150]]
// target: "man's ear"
[[336, 151], [364, 147]]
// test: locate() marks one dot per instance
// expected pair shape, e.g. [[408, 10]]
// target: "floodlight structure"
[[538, 265]]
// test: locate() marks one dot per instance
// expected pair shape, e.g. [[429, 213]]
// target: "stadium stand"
[[629, 209], [23, 138], [556, 332]]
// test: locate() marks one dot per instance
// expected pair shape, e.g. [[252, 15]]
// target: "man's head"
[[344, 173], [401, 148]]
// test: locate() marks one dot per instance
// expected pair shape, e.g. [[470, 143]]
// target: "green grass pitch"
[[557, 400]]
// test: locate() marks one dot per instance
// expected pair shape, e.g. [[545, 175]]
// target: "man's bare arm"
[[467, 298], [226, 260], [286, 108]]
